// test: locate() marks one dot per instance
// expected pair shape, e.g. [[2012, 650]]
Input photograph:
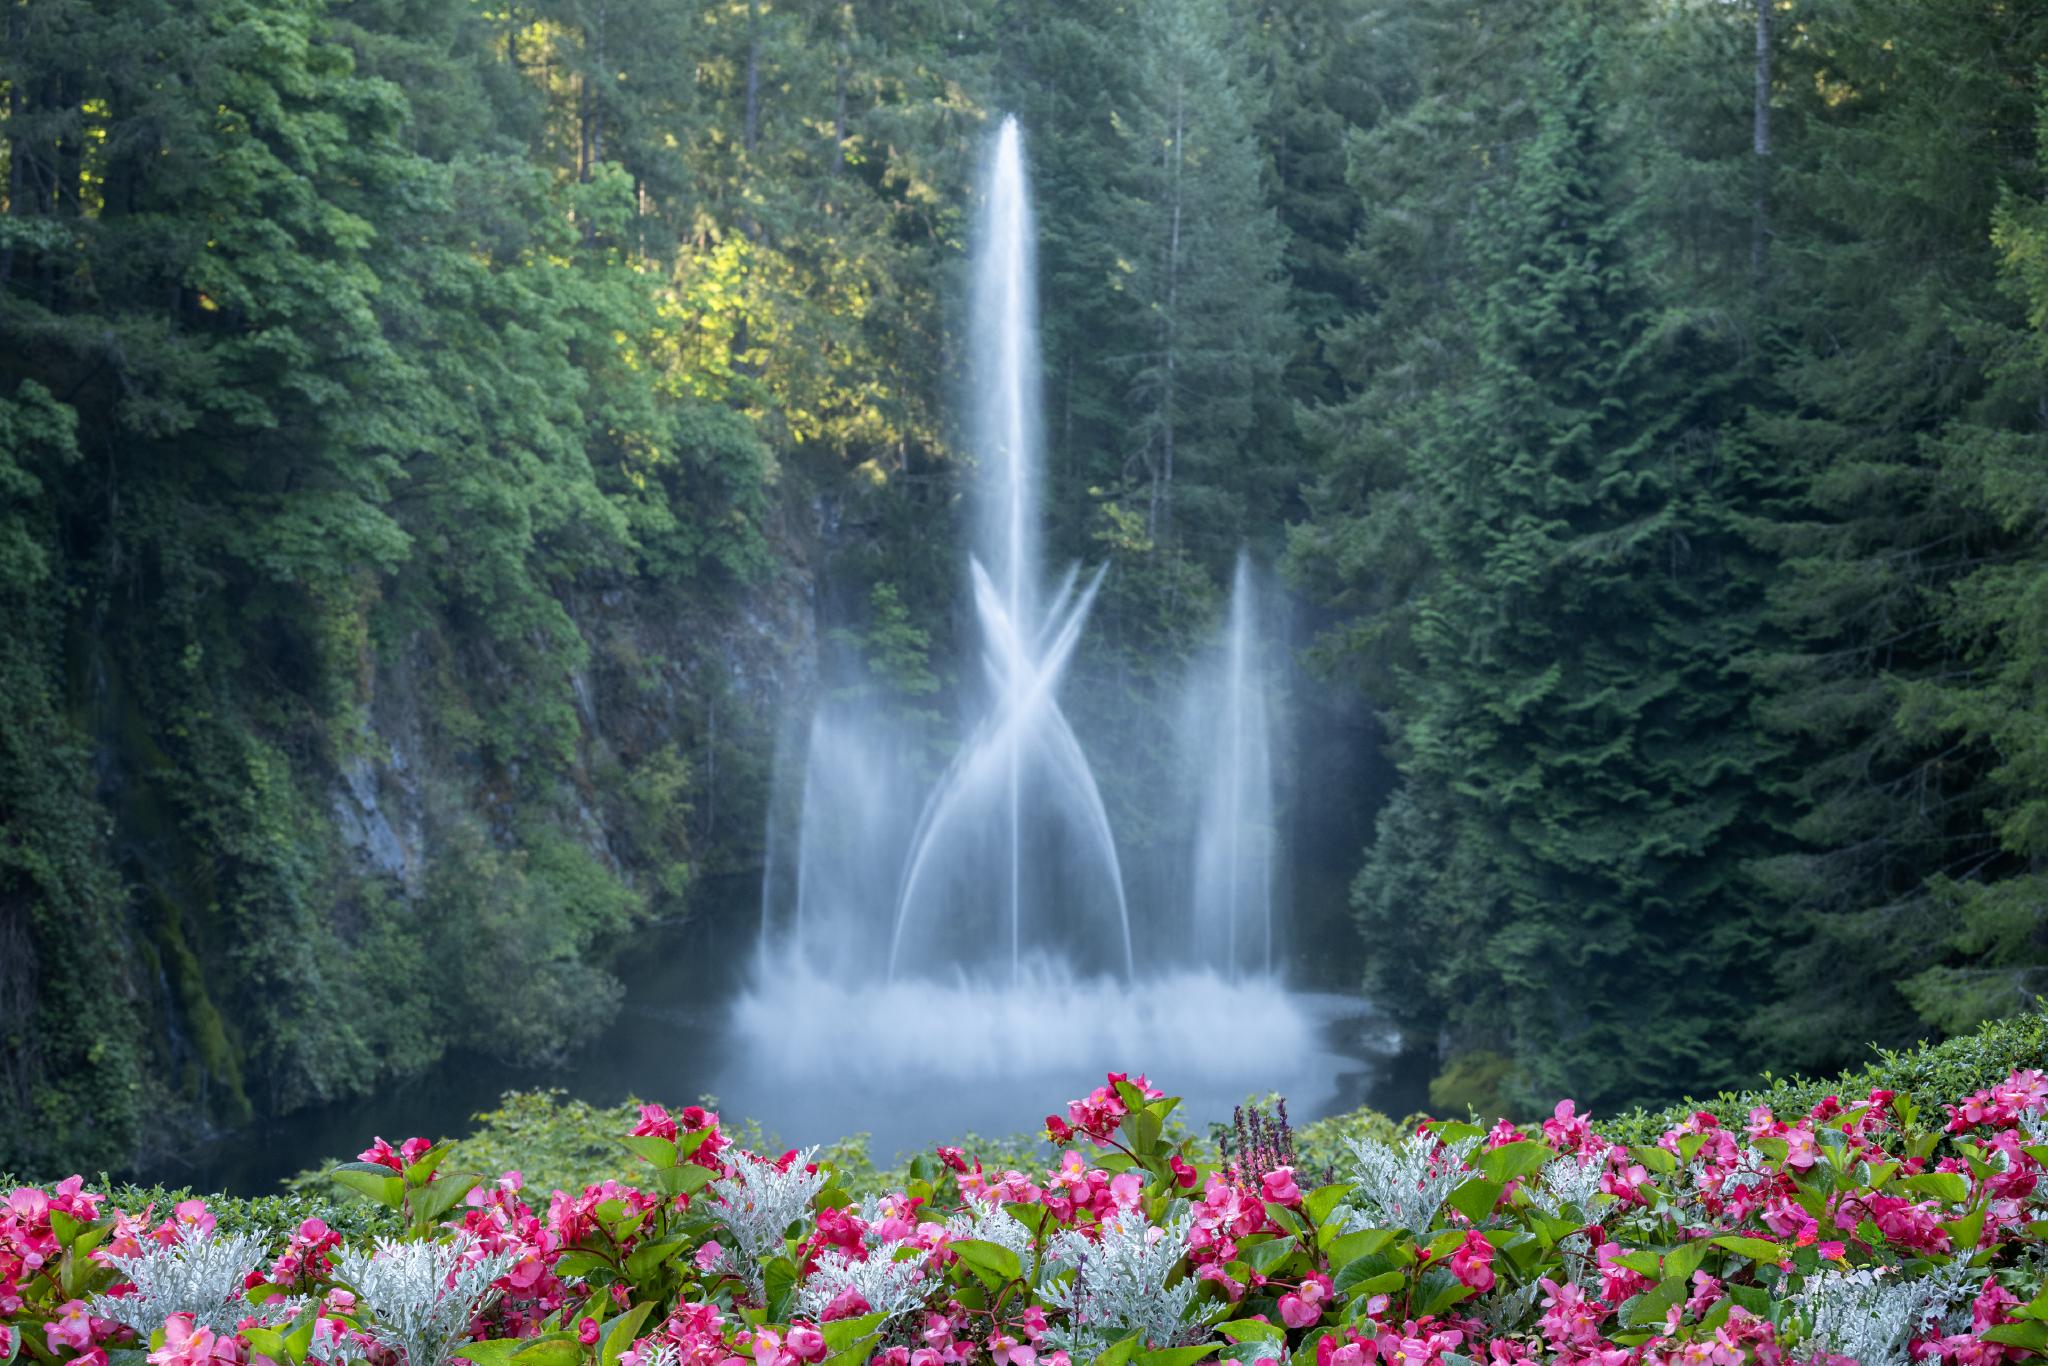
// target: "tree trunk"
[[750, 132], [1760, 144], [1162, 488], [839, 106]]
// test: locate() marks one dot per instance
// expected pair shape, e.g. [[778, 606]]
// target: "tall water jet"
[[972, 925], [1232, 890], [1019, 809]]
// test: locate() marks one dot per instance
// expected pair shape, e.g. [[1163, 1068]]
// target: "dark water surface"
[[695, 1023]]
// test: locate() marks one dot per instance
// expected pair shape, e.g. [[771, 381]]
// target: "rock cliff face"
[[411, 879]]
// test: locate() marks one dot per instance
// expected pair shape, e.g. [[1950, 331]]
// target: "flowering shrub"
[[1858, 1230]]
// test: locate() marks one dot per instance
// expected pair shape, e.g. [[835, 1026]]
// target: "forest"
[[436, 438]]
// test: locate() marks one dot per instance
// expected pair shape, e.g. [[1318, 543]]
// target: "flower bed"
[[1863, 1229]]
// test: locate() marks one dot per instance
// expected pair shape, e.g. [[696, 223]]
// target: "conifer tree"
[[1570, 722]]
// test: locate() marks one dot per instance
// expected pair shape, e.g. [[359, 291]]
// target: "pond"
[[813, 1061]]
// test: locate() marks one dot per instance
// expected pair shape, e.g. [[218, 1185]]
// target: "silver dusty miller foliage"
[[890, 1287], [1870, 1317], [423, 1295], [1404, 1186], [200, 1275], [1119, 1285], [991, 1223], [759, 1202], [1566, 1183]]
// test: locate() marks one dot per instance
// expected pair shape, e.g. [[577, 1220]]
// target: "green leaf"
[[1352, 1246], [1242, 1330], [1476, 1198], [1756, 1249], [495, 1352], [1305, 1353], [1324, 1201], [1654, 1158], [550, 1349], [1033, 1217], [2032, 1335], [687, 1179], [1353, 1275], [1286, 1218], [1948, 1187], [843, 1333], [660, 1152], [1385, 1283], [1263, 1257], [779, 1277], [1966, 1231], [1649, 1308], [648, 1258], [263, 1342], [989, 1260], [1439, 1290], [1119, 1353], [429, 1203], [579, 1264], [619, 1334], [381, 1184], [1175, 1356], [421, 1170], [1511, 1161], [1685, 1259], [1643, 1263]]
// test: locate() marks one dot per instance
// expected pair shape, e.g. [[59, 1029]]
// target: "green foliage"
[[1929, 1075], [1897, 350], [1574, 782]]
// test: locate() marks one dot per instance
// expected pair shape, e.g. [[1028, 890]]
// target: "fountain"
[[1231, 894], [976, 929], [1021, 791]]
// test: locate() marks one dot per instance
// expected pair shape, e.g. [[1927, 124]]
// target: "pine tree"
[[1201, 261], [1571, 718], [1909, 117], [1984, 951]]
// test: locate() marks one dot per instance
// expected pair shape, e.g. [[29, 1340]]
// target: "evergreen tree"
[[1985, 952], [1571, 725], [1913, 115]]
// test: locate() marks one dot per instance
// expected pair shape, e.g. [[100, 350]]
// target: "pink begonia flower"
[[1966, 1349], [1007, 1351], [586, 1331], [1472, 1263], [1213, 1272], [768, 1349], [1801, 1150], [1568, 1130], [71, 1328], [708, 1255], [1305, 1306], [1126, 1189], [1279, 1186], [1183, 1174], [189, 1218], [380, 1153], [847, 1304], [805, 1343], [654, 1123], [185, 1345]]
